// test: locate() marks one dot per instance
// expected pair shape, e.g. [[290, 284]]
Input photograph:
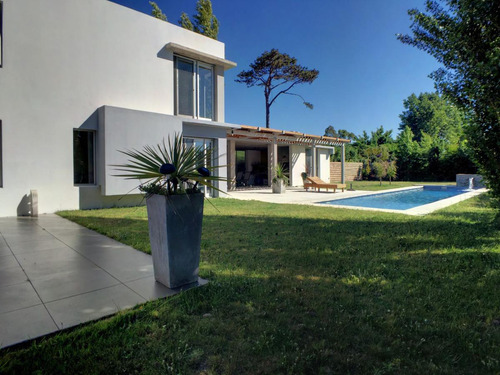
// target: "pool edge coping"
[[415, 211]]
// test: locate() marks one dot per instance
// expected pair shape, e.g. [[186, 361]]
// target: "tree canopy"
[[342, 133], [204, 21], [464, 36], [278, 73], [432, 114], [157, 12]]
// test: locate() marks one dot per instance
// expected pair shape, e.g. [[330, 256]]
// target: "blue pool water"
[[401, 200]]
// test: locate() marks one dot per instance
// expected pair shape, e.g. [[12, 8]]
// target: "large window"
[[194, 88], [84, 157], [208, 146]]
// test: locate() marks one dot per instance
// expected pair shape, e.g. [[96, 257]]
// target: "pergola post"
[[231, 167], [313, 160], [342, 164], [273, 160]]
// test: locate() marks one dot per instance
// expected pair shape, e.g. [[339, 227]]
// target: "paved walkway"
[[55, 274]]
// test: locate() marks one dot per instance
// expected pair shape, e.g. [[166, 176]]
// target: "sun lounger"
[[316, 183]]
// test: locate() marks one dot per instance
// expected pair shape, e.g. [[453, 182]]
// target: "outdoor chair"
[[317, 183]]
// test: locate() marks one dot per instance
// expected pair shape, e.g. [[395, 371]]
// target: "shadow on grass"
[[353, 293]]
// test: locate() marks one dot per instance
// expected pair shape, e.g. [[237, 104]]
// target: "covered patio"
[[253, 152]]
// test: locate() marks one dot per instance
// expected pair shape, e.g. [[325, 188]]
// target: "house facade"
[[80, 80]]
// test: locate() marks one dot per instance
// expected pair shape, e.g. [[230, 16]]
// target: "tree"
[[277, 71], [156, 11], [463, 35], [391, 170], [204, 21], [433, 114], [331, 132], [379, 169], [342, 133]]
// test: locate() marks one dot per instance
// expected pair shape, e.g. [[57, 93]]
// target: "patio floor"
[[295, 195], [55, 274]]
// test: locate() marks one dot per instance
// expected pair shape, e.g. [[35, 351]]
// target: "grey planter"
[[175, 236], [279, 187]]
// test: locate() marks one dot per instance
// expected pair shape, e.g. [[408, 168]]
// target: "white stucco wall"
[[323, 160], [298, 164], [64, 59]]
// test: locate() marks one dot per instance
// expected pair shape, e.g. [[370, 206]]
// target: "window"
[[1, 32], [208, 146], [84, 157], [194, 82]]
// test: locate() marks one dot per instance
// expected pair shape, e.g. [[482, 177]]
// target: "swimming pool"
[[401, 200]]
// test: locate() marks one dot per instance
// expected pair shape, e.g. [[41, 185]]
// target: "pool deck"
[[297, 195]]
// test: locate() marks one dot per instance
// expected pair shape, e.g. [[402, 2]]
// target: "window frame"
[[94, 153], [196, 84], [207, 143]]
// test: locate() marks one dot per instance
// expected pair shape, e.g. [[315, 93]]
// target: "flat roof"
[[284, 136], [194, 54]]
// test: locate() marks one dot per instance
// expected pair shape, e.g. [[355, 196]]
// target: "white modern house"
[[80, 80]]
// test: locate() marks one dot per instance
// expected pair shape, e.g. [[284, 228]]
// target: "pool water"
[[401, 200]]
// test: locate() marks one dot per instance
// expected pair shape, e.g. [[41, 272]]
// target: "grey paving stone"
[[21, 325], [5, 250], [17, 296], [70, 283], [150, 289], [12, 276], [71, 311], [8, 261], [33, 245], [40, 264]]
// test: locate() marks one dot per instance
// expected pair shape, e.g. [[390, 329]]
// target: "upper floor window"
[[194, 88]]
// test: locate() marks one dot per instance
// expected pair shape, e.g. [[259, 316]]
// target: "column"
[[231, 166], [343, 164], [314, 162], [272, 160]]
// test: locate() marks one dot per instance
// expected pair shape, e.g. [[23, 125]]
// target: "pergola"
[[273, 137]]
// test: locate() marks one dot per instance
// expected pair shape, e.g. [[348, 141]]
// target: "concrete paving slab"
[[8, 261], [66, 274], [72, 311], [21, 325], [12, 276], [70, 283], [150, 289], [5, 250], [18, 296], [26, 246]]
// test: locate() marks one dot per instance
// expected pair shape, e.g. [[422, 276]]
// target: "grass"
[[303, 291]]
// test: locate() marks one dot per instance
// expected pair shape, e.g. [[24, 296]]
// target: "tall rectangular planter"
[[175, 235]]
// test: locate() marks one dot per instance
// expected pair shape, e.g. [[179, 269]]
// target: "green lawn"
[[303, 290]]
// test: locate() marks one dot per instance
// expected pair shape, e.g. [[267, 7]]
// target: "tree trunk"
[[380, 182], [267, 114]]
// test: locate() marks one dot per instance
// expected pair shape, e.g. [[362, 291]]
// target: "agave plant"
[[169, 168], [280, 174]]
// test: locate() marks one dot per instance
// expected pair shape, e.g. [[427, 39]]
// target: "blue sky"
[[365, 72]]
